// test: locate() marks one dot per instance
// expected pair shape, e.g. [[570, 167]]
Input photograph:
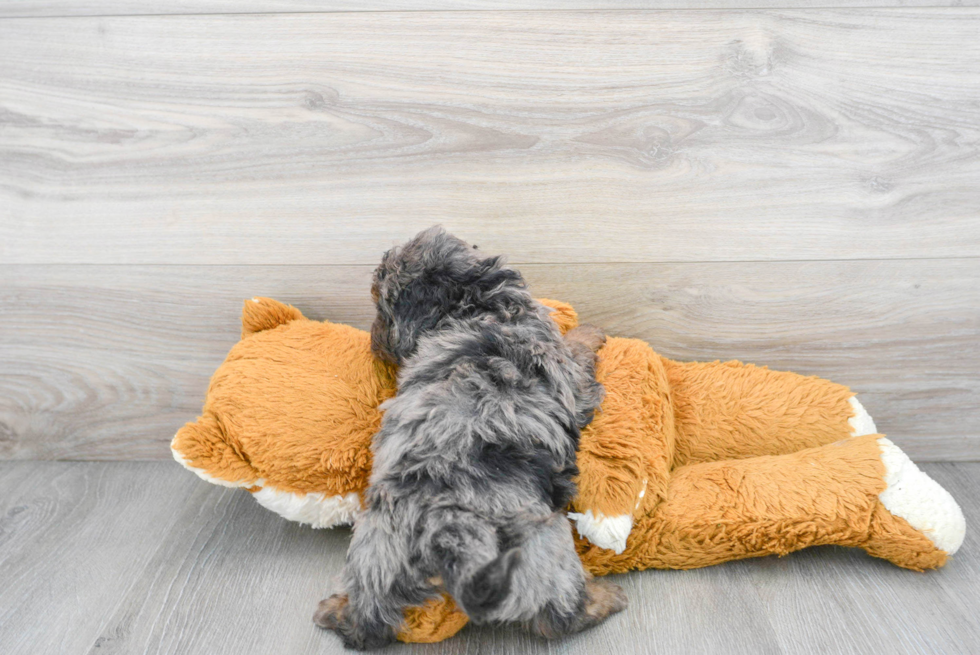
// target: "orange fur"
[[714, 461]]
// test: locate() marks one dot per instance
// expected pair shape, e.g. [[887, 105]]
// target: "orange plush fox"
[[686, 464]]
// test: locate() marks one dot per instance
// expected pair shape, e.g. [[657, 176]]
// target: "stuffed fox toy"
[[685, 465]]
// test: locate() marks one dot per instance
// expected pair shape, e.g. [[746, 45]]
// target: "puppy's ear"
[[385, 338], [433, 276], [408, 310]]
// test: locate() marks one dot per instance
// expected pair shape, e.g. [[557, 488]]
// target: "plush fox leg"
[[855, 492], [862, 492], [731, 410]]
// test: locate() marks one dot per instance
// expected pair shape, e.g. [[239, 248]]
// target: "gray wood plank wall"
[[61, 8], [560, 137], [793, 187]]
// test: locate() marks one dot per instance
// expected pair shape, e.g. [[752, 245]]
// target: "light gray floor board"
[[73, 538], [231, 570], [558, 136], [106, 362], [146, 558], [909, 613]]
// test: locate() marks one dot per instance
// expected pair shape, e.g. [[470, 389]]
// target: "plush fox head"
[[290, 414]]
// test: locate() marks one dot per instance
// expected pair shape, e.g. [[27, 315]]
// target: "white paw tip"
[[920, 500], [604, 531], [861, 423], [255, 300]]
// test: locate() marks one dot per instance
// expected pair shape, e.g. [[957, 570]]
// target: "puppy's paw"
[[603, 598], [331, 613], [335, 614], [588, 336]]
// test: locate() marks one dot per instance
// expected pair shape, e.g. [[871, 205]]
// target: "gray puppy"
[[475, 458]]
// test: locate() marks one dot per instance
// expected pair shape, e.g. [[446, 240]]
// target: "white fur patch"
[[604, 531], [204, 475], [917, 498], [315, 509], [861, 423]]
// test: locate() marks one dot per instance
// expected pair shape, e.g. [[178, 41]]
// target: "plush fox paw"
[[916, 524], [604, 531], [920, 500]]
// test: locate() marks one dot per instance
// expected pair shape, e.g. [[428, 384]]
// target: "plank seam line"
[[510, 262], [830, 7]]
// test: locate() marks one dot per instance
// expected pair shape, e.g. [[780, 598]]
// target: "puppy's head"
[[433, 276]]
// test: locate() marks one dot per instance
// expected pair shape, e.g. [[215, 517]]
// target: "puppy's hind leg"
[[379, 583], [551, 593], [572, 600]]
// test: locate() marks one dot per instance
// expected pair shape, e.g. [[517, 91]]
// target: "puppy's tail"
[[483, 592], [466, 550]]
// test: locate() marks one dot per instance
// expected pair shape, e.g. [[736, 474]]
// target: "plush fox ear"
[[265, 313], [562, 313]]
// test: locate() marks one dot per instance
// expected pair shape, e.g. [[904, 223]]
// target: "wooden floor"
[[142, 557]]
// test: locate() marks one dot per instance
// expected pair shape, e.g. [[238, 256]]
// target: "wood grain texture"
[[553, 136], [57, 8], [233, 580], [922, 614], [74, 538], [145, 558], [106, 362]]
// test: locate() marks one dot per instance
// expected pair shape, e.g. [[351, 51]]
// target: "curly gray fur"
[[475, 459]]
